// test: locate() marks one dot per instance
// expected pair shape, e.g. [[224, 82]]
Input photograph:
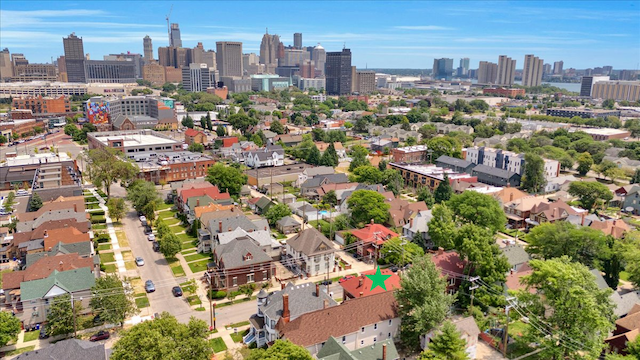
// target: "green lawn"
[[237, 337], [107, 258], [99, 226], [240, 324], [142, 302], [130, 265], [517, 329], [171, 221], [102, 247], [229, 303], [624, 275], [177, 270], [197, 256], [188, 251], [90, 199], [110, 268], [199, 266], [178, 229], [31, 335], [218, 345], [186, 237], [164, 206], [194, 300], [22, 350]]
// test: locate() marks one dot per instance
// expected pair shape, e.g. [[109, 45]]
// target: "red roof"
[[353, 287], [374, 233], [448, 262], [192, 132], [211, 191]]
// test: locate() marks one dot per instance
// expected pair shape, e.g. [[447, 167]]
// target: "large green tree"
[[107, 165], [425, 194], [111, 301], [585, 161], [590, 193], [35, 202], [401, 252], [330, 157], [367, 205], [447, 344], [277, 212], [569, 304], [366, 174], [358, 157], [141, 193], [281, 350], [117, 208], [393, 181], [276, 127], [226, 178], [170, 245], [533, 179], [480, 209], [423, 301], [314, 156], [164, 338], [443, 191], [444, 146], [442, 228], [60, 317], [9, 327]]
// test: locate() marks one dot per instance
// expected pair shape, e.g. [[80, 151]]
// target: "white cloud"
[[423, 27]]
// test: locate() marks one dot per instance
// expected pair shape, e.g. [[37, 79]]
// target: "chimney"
[[265, 228], [325, 304], [440, 251], [198, 202], [508, 185], [233, 207], [317, 290], [372, 219], [220, 226], [360, 282], [361, 293], [582, 221], [411, 223], [282, 286], [511, 197], [285, 308], [384, 351], [61, 265], [46, 233], [229, 228]]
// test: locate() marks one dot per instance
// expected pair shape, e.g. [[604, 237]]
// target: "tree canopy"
[[442, 228], [226, 178], [35, 202], [107, 165], [585, 161], [170, 245], [358, 157], [443, 191], [111, 301], [590, 193], [533, 179], [281, 350], [277, 212], [60, 316], [479, 209], [9, 327], [447, 344], [117, 208], [143, 196], [367, 205], [400, 252]]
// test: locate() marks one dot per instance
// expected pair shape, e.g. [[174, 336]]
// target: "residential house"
[[285, 305], [271, 155], [333, 349], [54, 215], [455, 164], [199, 190], [401, 211], [288, 225], [75, 203], [631, 202], [70, 349], [305, 210], [410, 154], [516, 256], [495, 176], [309, 188], [214, 223], [378, 144], [288, 139], [613, 227], [192, 136], [340, 150], [623, 162], [310, 172], [371, 239], [68, 235], [357, 323], [468, 330], [508, 194], [627, 330], [11, 250], [199, 210], [418, 224], [83, 249], [263, 205], [262, 238], [550, 212], [360, 286], [312, 252], [451, 266], [235, 150], [514, 282], [239, 262], [36, 295], [624, 300], [519, 210]]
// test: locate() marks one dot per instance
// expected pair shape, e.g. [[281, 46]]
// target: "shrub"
[[103, 238], [216, 295]]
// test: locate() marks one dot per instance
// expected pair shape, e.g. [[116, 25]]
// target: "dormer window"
[[247, 257]]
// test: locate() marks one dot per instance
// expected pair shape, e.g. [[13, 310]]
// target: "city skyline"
[[407, 35]]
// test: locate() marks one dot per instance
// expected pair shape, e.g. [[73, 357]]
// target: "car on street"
[[151, 237], [177, 291], [100, 335], [394, 268], [327, 282], [149, 287], [139, 261], [143, 218], [346, 278], [147, 230], [144, 223], [43, 332], [156, 246], [22, 193]]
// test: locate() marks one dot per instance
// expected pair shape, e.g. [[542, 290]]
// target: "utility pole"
[[473, 288], [212, 305], [505, 335]]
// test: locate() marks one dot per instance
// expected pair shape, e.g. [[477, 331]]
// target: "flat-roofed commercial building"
[[47, 170], [171, 166], [617, 90], [583, 113], [42, 105], [43, 88], [34, 72], [131, 142], [604, 134], [428, 175]]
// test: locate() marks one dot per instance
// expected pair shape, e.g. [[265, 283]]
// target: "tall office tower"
[[319, 56], [557, 67], [62, 69], [587, 83], [197, 77], [442, 68], [532, 71], [607, 70], [6, 67], [148, 49], [464, 64], [136, 59], [297, 40], [338, 72], [175, 36], [506, 70], [294, 57], [487, 72], [627, 75], [229, 58], [269, 49], [74, 58], [366, 81], [546, 69], [18, 59]]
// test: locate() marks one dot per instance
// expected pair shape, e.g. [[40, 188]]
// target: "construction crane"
[[168, 25]]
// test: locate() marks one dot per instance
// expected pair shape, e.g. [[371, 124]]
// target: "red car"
[[100, 335], [346, 278]]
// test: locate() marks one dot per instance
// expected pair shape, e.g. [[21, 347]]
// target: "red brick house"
[[372, 237], [360, 286], [239, 262]]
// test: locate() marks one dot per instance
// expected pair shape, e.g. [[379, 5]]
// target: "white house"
[[272, 155], [312, 251]]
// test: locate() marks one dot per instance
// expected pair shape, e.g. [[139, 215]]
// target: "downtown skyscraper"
[[506, 70], [176, 41], [338, 72], [442, 68], [532, 71], [269, 50], [148, 49], [74, 58], [229, 58]]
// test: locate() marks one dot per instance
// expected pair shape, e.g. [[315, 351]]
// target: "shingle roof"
[[259, 237], [44, 267], [75, 203], [288, 221], [602, 284], [302, 299], [453, 161], [309, 242], [51, 216], [82, 248], [71, 349], [624, 302], [264, 203], [231, 223], [515, 254], [70, 281], [353, 287], [501, 173], [330, 179], [333, 349], [234, 254], [315, 327]]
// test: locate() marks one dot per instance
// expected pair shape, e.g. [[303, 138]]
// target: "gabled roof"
[[310, 242], [288, 221], [624, 302], [264, 203], [515, 254], [554, 211], [319, 180], [488, 170], [508, 194], [75, 203], [193, 132], [526, 203], [319, 170], [231, 223], [65, 235], [335, 350], [235, 254], [315, 327], [199, 210], [448, 160], [261, 238], [69, 281], [302, 299], [70, 349], [449, 262], [362, 284], [632, 320], [420, 222], [374, 233], [44, 267], [81, 248], [400, 210], [212, 191], [52, 216]]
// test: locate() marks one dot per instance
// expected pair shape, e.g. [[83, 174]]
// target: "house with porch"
[[271, 155], [312, 252], [418, 225], [370, 240], [519, 210], [239, 262]]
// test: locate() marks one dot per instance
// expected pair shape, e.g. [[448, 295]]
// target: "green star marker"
[[378, 279]]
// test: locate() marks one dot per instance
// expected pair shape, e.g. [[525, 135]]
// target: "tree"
[[277, 212], [60, 317], [367, 174], [382, 165], [9, 202], [107, 165], [330, 198], [393, 181], [221, 131], [635, 179], [423, 301], [443, 191], [424, 194], [170, 245], [203, 122], [281, 350], [444, 146], [609, 104], [35, 202], [446, 344], [226, 178], [3, 139], [428, 131], [276, 127], [241, 121], [164, 338], [573, 307], [111, 301], [590, 193], [9, 327], [117, 208], [479, 209], [314, 156], [585, 161], [533, 179], [162, 229], [330, 157], [358, 157], [367, 205], [196, 147], [401, 252], [141, 193], [633, 348], [209, 123], [187, 121], [442, 228]]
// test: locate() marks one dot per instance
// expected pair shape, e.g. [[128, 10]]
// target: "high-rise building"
[[135, 58], [229, 58], [617, 90], [74, 58], [607, 70], [586, 85], [319, 56], [294, 57], [34, 72], [338, 72], [506, 70], [297, 40], [366, 81], [442, 68], [62, 69], [557, 67], [201, 56], [148, 49], [110, 71], [464, 65], [175, 57], [269, 49], [532, 71], [197, 77], [175, 36], [6, 67], [18, 59], [487, 72], [155, 73], [628, 75], [546, 69]]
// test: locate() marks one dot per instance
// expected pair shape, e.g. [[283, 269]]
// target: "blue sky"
[[383, 34]]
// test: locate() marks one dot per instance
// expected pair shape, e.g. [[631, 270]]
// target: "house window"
[[344, 339], [375, 326], [452, 281], [362, 330], [389, 336], [389, 322], [250, 278], [264, 274], [235, 281], [361, 342], [375, 339], [317, 268]]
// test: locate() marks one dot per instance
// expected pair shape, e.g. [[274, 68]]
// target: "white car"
[[139, 261], [22, 193], [143, 218], [151, 237]]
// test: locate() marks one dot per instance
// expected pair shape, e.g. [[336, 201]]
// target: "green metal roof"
[[70, 281]]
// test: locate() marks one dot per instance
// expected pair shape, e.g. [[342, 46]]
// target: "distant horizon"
[[383, 35]]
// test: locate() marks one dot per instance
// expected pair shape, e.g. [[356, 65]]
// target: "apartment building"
[[506, 160]]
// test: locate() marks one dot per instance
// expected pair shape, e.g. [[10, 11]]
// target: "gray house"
[[632, 201], [455, 164], [496, 177]]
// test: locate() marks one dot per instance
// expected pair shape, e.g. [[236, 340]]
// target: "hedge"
[[216, 295]]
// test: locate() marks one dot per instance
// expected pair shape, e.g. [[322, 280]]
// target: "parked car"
[[43, 332], [148, 230], [139, 261], [22, 193], [348, 277], [327, 282], [143, 218], [144, 223], [156, 246], [151, 237], [177, 291], [97, 320], [149, 287], [394, 268], [100, 335]]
